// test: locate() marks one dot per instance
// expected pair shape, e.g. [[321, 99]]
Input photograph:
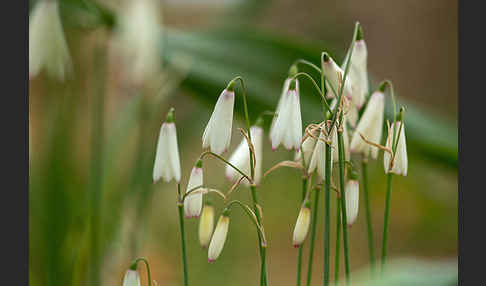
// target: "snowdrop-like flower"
[[280, 100], [302, 225], [241, 157], [131, 278], [308, 146], [358, 71], [400, 164], [47, 45], [370, 126], [137, 36], [352, 200], [287, 128], [217, 135], [167, 163], [318, 159], [206, 224], [193, 201], [334, 74], [219, 238]]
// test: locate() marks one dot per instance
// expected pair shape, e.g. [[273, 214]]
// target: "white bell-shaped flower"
[[193, 201], [167, 163], [287, 128], [334, 75], [318, 159], [217, 134], [219, 238], [400, 164], [302, 225], [47, 45], [241, 157], [358, 71], [280, 100], [307, 147], [370, 126], [352, 200], [131, 278], [206, 224], [138, 38]]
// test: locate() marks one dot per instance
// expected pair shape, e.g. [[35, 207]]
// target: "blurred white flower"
[[335, 75], [307, 146], [358, 71], [167, 163], [318, 159], [352, 200], [241, 157], [131, 278], [138, 37], [400, 164], [370, 126], [193, 201], [47, 45], [217, 134], [302, 225], [206, 224], [287, 128], [219, 238]]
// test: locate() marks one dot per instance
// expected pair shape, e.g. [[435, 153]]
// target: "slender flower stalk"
[[180, 207], [318, 159], [327, 213], [132, 278], [167, 163], [371, 249], [338, 240], [301, 233], [313, 235]]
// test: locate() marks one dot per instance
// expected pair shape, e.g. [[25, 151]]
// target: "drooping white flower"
[[352, 200], [137, 37], [47, 45], [280, 100], [167, 163], [308, 147], [131, 278], [217, 135], [219, 238], [193, 201], [370, 126], [358, 71], [335, 145], [335, 75], [241, 157], [400, 164], [318, 159], [287, 128], [206, 224], [302, 225]]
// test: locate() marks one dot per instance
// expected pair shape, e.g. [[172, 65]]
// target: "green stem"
[[180, 207], [327, 213], [227, 163], [387, 215], [299, 257], [343, 203], [313, 236], [364, 170], [338, 240], [149, 277]]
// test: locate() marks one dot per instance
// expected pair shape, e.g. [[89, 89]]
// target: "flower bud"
[[302, 225], [193, 201], [219, 238], [206, 224], [167, 163], [400, 164], [131, 278], [217, 134], [352, 201]]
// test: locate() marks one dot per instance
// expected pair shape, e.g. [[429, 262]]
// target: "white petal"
[[193, 202], [280, 102], [131, 278], [301, 226], [217, 134], [206, 224], [218, 239], [400, 166], [359, 73], [352, 201], [175, 164]]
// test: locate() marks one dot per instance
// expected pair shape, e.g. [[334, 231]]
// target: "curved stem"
[[226, 162], [327, 212], [180, 207], [338, 241], [299, 256], [371, 250], [305, 62], [313, 236], [343, 203], [316, 87], [387, 215], [149, 278], [251, 215]]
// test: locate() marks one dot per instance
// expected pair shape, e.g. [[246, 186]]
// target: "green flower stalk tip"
[[133, 266], [231, 86], [382, 86], [359, 34], [199, 163], [293, 70], [170, 115], [307, 204], [226, 212], [325, 57], [353, 175], [292, 85], [259, 122], [400, 114]]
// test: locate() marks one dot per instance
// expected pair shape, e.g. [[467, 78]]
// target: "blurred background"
[[92, 205]]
